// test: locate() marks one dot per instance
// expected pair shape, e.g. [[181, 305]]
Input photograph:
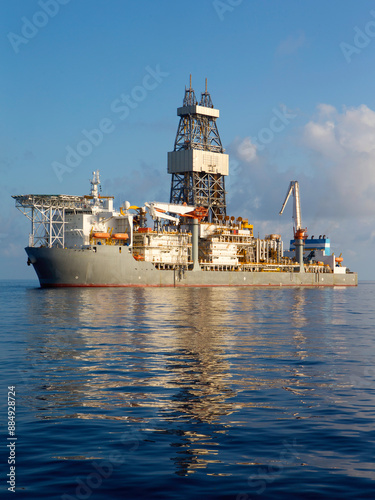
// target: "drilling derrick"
[[198, 163]]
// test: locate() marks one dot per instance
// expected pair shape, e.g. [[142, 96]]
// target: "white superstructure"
[[178, 239]]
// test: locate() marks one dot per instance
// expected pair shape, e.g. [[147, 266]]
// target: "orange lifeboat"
[[139, 257], [120, 236], [103, 236], [339, 259]]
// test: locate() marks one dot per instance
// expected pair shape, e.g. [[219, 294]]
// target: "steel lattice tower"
[[198, 163]]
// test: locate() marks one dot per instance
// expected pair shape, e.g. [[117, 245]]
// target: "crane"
[[299, 232], [294, 188], [159, 211]]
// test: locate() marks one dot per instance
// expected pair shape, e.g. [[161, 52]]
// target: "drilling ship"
[[190, 241]]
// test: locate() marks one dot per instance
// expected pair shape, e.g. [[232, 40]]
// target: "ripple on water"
[[213, 393]]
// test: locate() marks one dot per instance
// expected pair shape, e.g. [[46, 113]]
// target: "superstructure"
[[190, 241]]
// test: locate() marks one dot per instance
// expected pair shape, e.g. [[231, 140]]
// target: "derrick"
[[198, 162]]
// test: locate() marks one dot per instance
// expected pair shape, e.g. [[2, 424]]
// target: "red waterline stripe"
[[60, 285]]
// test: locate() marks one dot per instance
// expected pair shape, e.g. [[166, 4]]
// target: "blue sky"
[[293, 81]]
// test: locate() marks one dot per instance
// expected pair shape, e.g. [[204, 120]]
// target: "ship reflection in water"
[[182, 369], [137, 356]]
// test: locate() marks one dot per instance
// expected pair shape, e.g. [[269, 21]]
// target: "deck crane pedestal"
[[299, 232]]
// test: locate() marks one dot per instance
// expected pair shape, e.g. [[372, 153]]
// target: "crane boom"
[[171, 207], [294, 188], [299, 232]]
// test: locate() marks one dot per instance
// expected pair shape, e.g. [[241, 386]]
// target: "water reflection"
[[190, 364], [132, 355]]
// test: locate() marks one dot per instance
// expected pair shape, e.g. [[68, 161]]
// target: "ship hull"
[[108, 266]]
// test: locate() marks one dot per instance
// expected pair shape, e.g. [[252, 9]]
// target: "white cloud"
[[326, 109], [320, 136], [244, 149], [338, 175], [356, 130], [335, 165], [351, 131], [344, 145], [291, 44]]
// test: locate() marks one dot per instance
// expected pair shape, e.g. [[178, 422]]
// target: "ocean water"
[[259, 393]]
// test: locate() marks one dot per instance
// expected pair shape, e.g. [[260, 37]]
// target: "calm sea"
[[193, 393]]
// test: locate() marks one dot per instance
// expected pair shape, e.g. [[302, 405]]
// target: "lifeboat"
[[120, 236], [338, 259], [103, 236], [139, 257]]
